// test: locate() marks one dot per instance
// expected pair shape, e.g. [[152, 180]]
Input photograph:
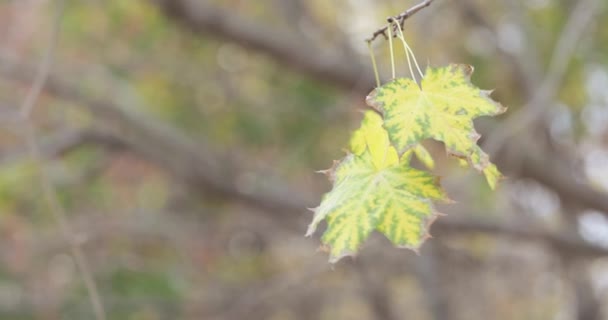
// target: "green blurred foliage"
[[147, 265]]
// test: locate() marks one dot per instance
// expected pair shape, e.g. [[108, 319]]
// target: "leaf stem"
[[390, 45], [373, 57], [408, 51]]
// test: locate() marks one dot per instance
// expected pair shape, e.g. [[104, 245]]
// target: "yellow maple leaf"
[[373, 190], [442, 108]]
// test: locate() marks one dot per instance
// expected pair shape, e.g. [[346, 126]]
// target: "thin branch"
[[58, 211], [525, 76], [566, 47], [564, 244], [59, 144], [400, 18], [336, 68], [429, 272], [48, 190], [45, 66], [273, 289], [374, 290]]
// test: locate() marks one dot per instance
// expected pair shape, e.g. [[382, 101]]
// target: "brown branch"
[[194, 162], [374, 290], [207, 170], [49, 192], [430, 275], [400, 18], [566, 47], [329, 66], [524, 69], [550, 170], [564, 244], [62, 143], [343, 73]]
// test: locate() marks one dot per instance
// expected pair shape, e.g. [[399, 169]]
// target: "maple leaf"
[[442, 108], [373, 190]]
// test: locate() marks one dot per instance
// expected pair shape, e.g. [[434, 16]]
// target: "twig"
[[564, 50], [525, 71], [58, 211], [400, 18], [375, 290], [273, 289], [429, 272], [59, 144], [44, 69], [282, 46], [48, 190]]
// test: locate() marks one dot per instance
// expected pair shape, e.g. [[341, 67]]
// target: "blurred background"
[[157, 159]]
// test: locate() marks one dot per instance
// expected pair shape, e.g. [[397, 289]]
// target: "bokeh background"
[[157, 159]]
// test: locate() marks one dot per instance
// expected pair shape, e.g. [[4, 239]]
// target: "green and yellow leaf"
[[373, 190], [442, 108]]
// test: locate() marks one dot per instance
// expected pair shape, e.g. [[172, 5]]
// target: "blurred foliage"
[[159, 251]]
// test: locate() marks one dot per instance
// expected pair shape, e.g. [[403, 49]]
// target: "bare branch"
[[429, 272], [194, 162], [523, 68], [400, 18], [308, 61], [63, 143], [375, 291], [326, 65], [204, 168], [564, 244], [45, 67], [48, 189], [581, 17]]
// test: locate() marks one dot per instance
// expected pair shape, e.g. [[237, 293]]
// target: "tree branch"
[[400, 18], [49, 193], [194, 162], [63, 143], [570, 246], [581, 18], [328, 66], [307, 60], [202, 167]]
